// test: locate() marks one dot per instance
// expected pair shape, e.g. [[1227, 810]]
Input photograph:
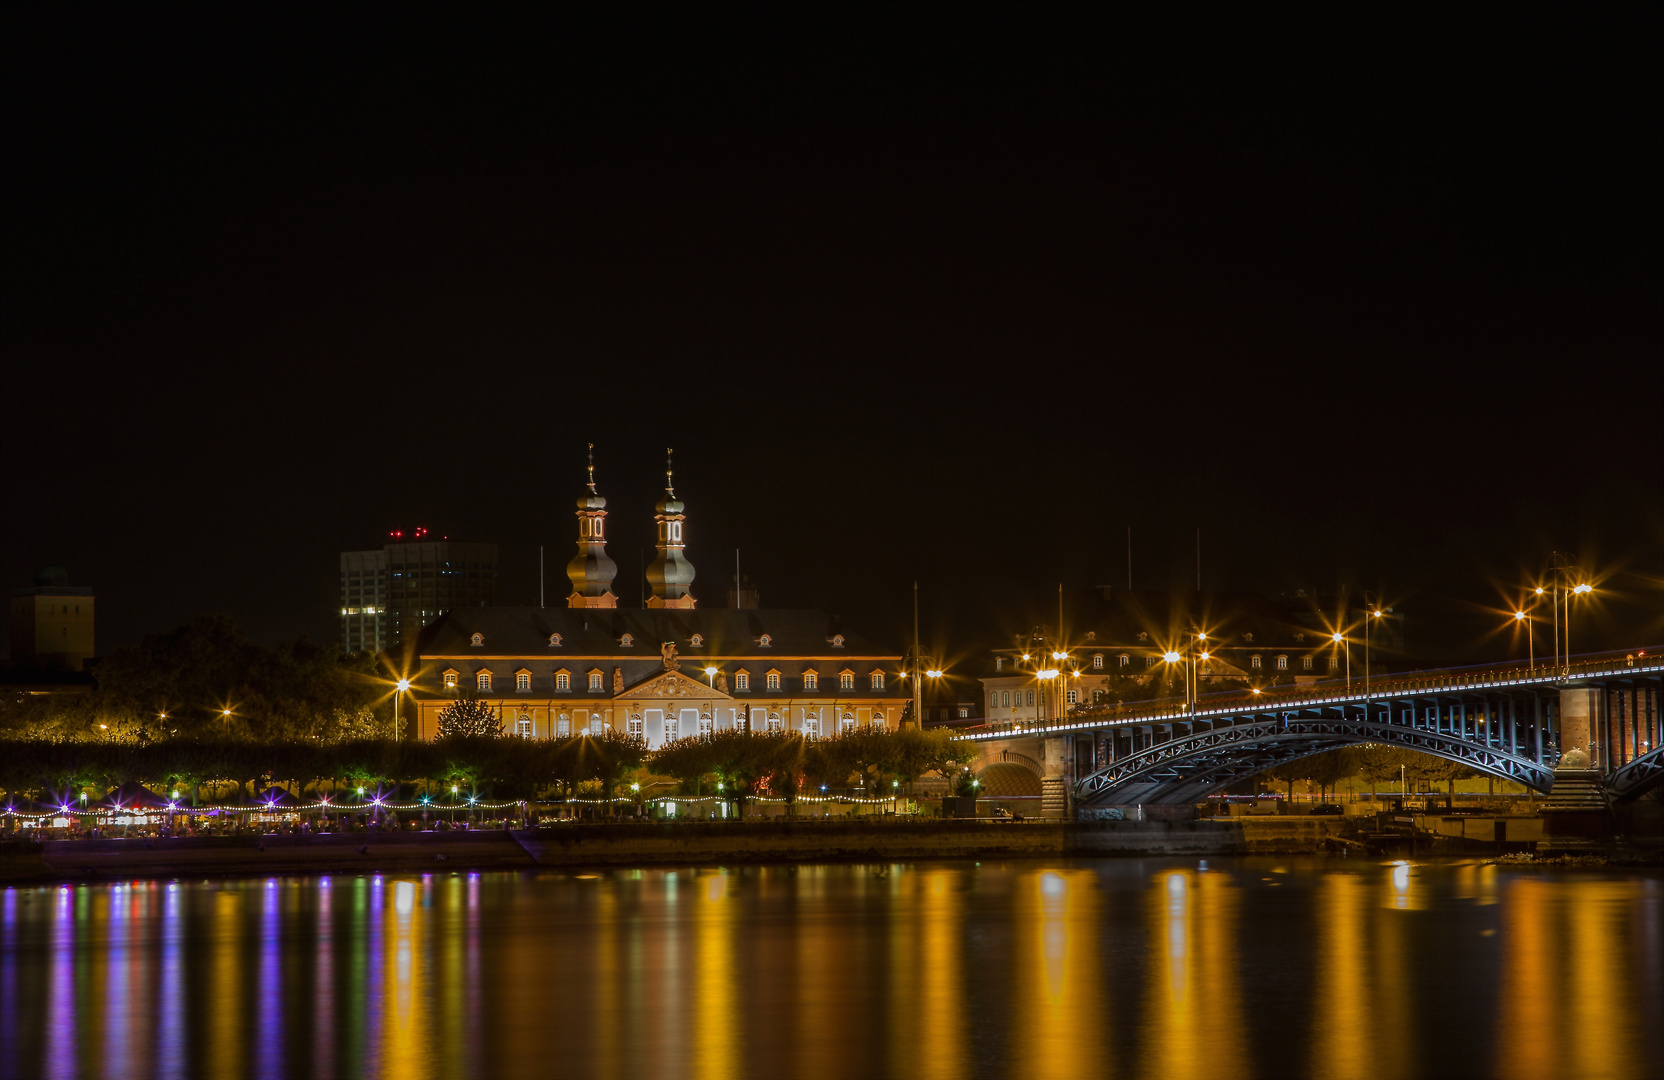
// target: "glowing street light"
[[398, 706]]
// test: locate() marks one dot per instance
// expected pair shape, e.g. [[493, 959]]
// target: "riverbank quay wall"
[[643, 845]]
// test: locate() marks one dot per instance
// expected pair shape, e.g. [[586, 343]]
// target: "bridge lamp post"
[[1046, 677], [1583, 589], [1530, 641], [398, 705], [1173, 656], [1346, 647]]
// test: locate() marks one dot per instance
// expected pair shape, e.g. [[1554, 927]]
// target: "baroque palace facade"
[[663, 673]]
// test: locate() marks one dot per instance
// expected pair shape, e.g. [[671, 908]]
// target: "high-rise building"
[[387, 596], [52, 623]]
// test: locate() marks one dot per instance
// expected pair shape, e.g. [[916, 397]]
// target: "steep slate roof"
[[524, 631]]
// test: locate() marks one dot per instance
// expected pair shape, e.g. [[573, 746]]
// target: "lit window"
[[837, 641], [522, 680], [477, 640], [774, 680], [595, 682], [595, 724], [672, 727], [1072, 697], [1098, 661], [635, 726], [523, 727], [765, 641], [697, 640], [1282, 663], [811, 727], [811, 680], [742, 680], [483, 680], [1149, 661], [1334, 662], [774, 723], [1254, 662], [1306, 662], [877, 721], [1031, 697], [847, 723], [846, 680], [563, 680], [628, 641], [563, 727], [878, 680], [963, 713], [993, 699], [1123, 660], [1006, 699], [705, 723], [450, 680]]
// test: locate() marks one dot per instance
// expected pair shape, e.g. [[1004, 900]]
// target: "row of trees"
[[1375, 762], [206, 680], [734, 763]]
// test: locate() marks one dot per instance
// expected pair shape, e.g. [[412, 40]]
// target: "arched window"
[[1282, 663], [1254, 662], [774, 722], [1006, 698], [1123, 660], [993, 699], [1031, 697], [596, 725], [766, 641], [1072, 697], [523, 681], [672, 727], [877, 721], [477, 640], [554, 639], [878, 680], [837, 641], [628, 641], [811, 727], [1306, 662], [848, 723], [1334, 662], [483, 680], [595, 683], [563, 727], [705, 723], [1098, 661], [563, 680], [697, 640], [523, 726], [1149, 661]]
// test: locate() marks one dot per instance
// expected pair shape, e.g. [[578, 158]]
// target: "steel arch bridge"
[[1503, 722]]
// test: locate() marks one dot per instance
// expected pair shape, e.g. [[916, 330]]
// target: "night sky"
[[1371, 296]]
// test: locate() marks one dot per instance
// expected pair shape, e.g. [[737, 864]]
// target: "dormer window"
[[1254, 662], [765, 642], [846, 680], [596, 680], [697, 641], [450, 679], [1282, 663], [1143, 636], [773, 680], [1149, 661], [999, 663], [878, 680], [811, 680], [742, 680], [1123, 660], [837, 641], [1248, 638], [523, 681], [1299, 637], [1097, 661], [482, 680], [554, 641], [1091, 635], [628, 641], [1306, 662], [563, 680], [477, 640]]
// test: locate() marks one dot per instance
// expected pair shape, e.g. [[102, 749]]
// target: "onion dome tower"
[[671, 574], [591, 570]]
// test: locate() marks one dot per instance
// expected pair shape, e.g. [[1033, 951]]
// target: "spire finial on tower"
[[669, 482], [592, 468]]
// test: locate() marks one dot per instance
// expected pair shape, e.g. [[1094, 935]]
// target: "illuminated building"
[[52, 623], [662, 673], [387, 596]]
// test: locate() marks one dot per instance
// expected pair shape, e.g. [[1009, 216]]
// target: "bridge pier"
[[1576, 816]]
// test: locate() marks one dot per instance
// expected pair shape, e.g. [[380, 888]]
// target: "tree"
[[1379, 762], [469, 717], [1331, 766]]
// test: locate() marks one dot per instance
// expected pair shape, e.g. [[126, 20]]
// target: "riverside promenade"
[[646, 844]]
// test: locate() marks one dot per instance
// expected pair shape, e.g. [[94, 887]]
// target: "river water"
[[1130, 968]]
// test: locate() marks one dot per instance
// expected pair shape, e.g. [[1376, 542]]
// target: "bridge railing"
[[1477, 676]]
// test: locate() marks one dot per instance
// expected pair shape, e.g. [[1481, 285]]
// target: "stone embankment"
[[679, 844]]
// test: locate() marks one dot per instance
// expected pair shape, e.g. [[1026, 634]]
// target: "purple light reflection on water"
[[170, 994]]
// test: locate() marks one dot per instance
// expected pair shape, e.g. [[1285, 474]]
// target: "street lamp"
[[919, 665], [1582, 589], [398, 706], [1530, 641], [1340, 639]]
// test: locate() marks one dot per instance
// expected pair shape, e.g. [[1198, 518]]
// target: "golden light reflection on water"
[[1193, 998], [951, 970], [1057, 1005]]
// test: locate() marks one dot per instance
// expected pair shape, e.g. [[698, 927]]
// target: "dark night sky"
[[1371, 296]]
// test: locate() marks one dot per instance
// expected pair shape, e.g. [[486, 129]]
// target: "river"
[[1069, 968]]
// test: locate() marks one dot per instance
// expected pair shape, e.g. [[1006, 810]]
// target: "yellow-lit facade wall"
[[52, 631]]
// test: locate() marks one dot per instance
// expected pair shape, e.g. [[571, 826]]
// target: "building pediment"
[[666, 684]]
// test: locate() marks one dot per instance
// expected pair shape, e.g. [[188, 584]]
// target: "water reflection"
[[1075, 968]]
